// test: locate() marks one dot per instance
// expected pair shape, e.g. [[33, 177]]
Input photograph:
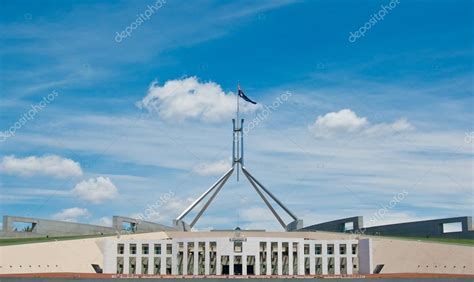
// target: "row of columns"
[[255, 253], [207, 257], [150, 256]]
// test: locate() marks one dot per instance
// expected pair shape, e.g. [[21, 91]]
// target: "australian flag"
[[242, 95]]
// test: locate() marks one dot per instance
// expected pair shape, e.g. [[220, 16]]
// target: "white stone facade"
[[237, 256]]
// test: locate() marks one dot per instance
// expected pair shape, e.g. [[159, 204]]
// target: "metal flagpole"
[[237, 136], [238, 160], [238, 89]]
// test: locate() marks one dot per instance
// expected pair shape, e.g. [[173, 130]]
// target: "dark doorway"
[[250, 270], [97, 268], [237, 269], [225, 270], [378, 268]]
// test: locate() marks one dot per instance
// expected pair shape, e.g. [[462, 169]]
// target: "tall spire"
[[238, 164], [238, 100], [237, 134]]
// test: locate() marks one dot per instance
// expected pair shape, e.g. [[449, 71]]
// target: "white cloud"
[[163, 211], [215, 168], [71, 214], [347, 122], [190, 99], [96, 190], [47, 165], [381, 129], [103, 221], [259, 218], [337, 122]]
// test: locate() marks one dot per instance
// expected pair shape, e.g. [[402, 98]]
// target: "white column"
[[280, 258], [349, 263], [151, 262], [337, 259], [324, 252], [110, 256], [312, 262], [301, 257], [207, 257], [231, 264], [185, 257], [138, 267], [174, 258], [290, 258], [244, 264], [163, 259], [196, 257], [269, 257], [126, 258], [365, 256], [218, 263]]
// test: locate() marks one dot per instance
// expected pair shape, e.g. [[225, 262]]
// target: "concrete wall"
[[365, 256], [336, 225], [58, 256], [139, 225], [425, 228], [411, 256], [46, 227]]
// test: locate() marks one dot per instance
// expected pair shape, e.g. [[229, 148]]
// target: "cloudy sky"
[[363, 108]]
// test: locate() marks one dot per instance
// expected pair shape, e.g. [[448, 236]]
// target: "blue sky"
[[131, 121]]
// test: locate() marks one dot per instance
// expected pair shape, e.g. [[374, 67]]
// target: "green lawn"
[[438, 240], [17, 241]]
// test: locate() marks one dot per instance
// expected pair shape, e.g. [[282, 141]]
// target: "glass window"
[[318, 249], [132, 266], [306, 249], [168, 266], [342, 249], [354, 249], [331, 266], [330, 249], [452, 227], [169, 249], [157, 265], [133, 249], [120, 249], [144, 265], [306, 266], [212, 246], [237, 247], [145, 249], [349, 226], [157, 249], [119, 265]]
